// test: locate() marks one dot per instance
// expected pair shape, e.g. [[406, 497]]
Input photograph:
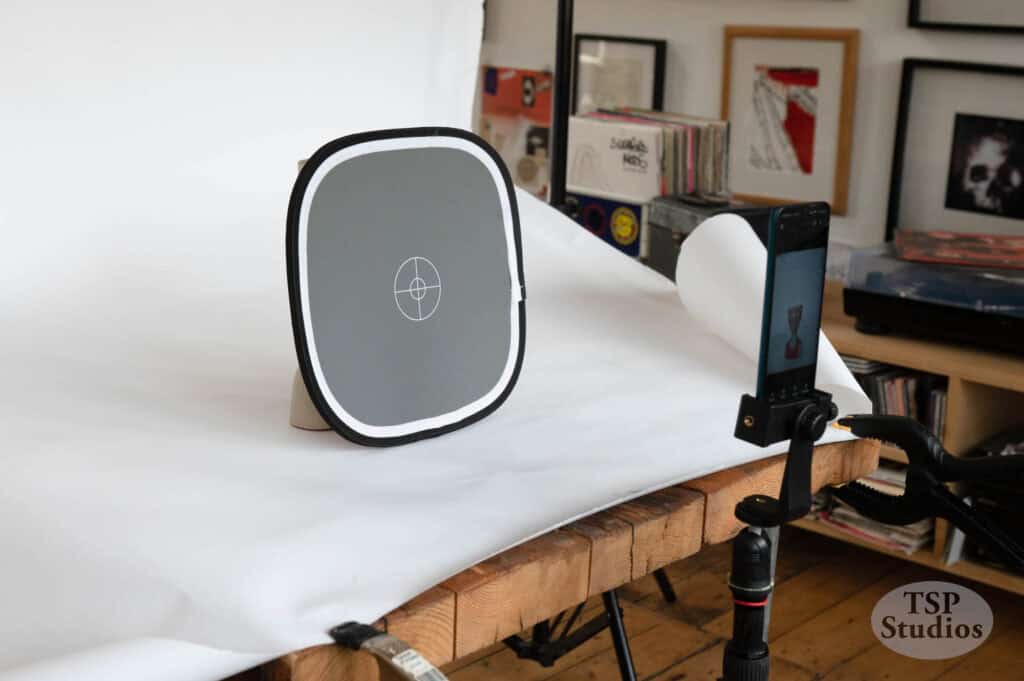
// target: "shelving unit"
[[985, 396]]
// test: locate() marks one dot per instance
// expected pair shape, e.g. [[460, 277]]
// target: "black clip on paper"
[[803, 422]]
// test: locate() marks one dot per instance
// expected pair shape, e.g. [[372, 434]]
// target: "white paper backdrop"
[[158, 517]]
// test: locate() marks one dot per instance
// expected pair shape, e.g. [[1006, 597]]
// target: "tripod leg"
[[667, 592], [619, 639]]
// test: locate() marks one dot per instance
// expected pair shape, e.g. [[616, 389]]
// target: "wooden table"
[[538, 579]]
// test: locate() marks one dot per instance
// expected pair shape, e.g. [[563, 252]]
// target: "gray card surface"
[[412, 288]]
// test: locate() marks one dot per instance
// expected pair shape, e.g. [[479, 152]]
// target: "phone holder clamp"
[[803, 422]]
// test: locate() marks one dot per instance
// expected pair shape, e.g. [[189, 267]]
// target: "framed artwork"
[[987, 16], [788, 94], [958, 162], [616, 71]]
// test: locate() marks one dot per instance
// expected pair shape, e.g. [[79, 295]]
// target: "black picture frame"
[[914, 20], [660, 48], [910, 67]]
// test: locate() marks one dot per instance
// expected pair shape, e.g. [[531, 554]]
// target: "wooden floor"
[[820, 625]]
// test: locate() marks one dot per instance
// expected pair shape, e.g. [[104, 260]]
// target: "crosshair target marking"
[[417, 289]]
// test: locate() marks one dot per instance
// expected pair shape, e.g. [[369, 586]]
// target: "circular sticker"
[[593, 218], [625, 226], [932, 620]]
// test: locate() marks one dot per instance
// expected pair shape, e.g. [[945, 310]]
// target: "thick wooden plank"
[[427, 623], [633, 539], [540, 578], [611, 546], [522, 586], [323, 663], [667, 526], [832, 464]]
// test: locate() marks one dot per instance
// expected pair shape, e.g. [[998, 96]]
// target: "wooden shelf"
[[985, 396], [995, 369], [964, 568]]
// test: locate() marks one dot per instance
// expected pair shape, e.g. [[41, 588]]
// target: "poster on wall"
[[958, 163], [788, 94], [515, 119]]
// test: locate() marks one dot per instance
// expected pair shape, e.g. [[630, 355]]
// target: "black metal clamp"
[[929, 467]]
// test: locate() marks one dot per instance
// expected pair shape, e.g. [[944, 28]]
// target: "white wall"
[[522, 33]]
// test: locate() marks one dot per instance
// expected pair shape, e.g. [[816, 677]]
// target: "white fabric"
[[158, 516]]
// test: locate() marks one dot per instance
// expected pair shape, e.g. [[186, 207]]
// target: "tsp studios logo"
[[932, 620]]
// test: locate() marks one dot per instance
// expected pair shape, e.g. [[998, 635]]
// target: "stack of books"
[[899, 392], [887, 479]]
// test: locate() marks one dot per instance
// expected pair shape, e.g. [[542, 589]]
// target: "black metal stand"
[[561, 106], [545, 646], [751, 581], [619, 639], [667, 592]]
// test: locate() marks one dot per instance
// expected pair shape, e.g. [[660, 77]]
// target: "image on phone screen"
[[793, 299]]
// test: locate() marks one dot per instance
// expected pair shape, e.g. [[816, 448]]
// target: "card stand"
[[303, 413]]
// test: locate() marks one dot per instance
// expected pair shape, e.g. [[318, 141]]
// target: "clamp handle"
[[926, 494]]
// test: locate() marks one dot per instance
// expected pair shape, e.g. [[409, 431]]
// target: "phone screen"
[[797, 249]]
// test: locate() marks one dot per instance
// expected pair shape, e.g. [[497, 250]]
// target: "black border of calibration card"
[[805, 374], [294, 285]]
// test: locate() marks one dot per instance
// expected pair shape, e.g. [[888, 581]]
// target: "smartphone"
[[795, 283]]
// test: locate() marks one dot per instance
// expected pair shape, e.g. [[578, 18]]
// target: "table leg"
[[619, 639]]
